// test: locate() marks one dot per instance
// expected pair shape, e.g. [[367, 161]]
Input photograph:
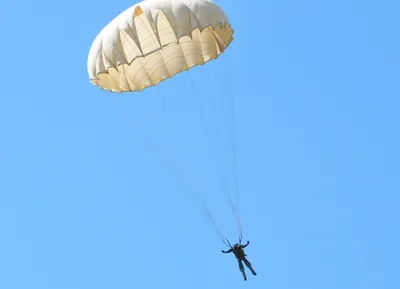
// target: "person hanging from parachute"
[[154, 40], [238, 251]]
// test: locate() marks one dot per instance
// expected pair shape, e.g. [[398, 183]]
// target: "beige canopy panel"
[[156, 39]]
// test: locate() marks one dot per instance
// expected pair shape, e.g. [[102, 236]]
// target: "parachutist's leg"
[[248, 264], [241, 267]]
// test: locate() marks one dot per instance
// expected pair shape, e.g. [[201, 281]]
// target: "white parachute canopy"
[[156, 39]]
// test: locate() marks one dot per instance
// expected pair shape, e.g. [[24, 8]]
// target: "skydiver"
[[237, 249]]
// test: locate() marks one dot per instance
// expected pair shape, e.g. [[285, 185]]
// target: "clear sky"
[[94, 186]]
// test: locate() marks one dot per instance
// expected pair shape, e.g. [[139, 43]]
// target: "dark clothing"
[[237, 249]]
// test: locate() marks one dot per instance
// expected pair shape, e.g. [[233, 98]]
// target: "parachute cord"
[[233, 197], [203, 208], [204, 125], [228, 196], [235, 205], [234, 211], [160, 98], [206, 213], [227, 243], [208, 216]]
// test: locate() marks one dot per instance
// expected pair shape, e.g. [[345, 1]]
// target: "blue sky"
[[95, 187]]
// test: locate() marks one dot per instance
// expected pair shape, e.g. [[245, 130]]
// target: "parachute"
[[153, 41], [156, 39]]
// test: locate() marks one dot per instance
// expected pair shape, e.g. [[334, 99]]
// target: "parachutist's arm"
[[244, 246], [229, 251]]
